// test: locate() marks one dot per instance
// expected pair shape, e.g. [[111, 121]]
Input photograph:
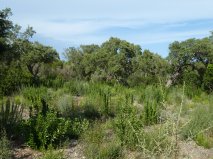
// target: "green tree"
[[189, 60], [148, 69], [35, 55]]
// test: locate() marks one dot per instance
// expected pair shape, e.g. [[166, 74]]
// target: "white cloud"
[[92, 21]]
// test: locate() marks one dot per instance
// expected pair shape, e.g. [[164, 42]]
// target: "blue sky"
[[153, 24]]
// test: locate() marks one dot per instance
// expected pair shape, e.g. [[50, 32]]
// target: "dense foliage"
[[115, 98]]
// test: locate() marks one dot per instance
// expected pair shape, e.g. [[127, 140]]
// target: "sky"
[[152, 24]]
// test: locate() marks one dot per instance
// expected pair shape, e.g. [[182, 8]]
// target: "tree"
[[35, 55], [120, 55], [148, 69], [189, 60]]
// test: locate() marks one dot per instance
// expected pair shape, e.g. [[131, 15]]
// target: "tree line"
[[24, 62]]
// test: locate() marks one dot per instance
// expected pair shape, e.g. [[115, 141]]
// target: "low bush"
[[65, 105], [205, 139], [128, 126], [5, 147], [77, 88], [47, 130], [201, 122], [100, 142], [10, 117]]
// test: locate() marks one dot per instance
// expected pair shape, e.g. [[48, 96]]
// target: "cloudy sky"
[[153, 24]]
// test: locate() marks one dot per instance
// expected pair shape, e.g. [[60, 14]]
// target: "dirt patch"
[[74, 151], [191, 150], [26, 153]]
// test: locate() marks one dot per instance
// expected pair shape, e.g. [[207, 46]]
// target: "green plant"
[[100, 142], [5, 147], [10, 117], [128, 125], [47, 130], [152, 99], [77, 127], [52, 154], [201, 122], [38, 99], [77, 88], [65, 105], [205, 139], [151, 112]]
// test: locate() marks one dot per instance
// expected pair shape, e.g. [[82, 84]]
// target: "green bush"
[[5, 147], [151, 113], [77, 88], [77, 127], [152, 98], [47, 130], [201, 122], [38, 99], [101, 143], [205, 139], [128, 126], [65, 105], [10, 117], [155, 142]]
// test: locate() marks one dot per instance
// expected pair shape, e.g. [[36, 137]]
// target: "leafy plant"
[[47, 130], [5, 147], [201, 122], [128, 125], [10, 117], [101, 143]]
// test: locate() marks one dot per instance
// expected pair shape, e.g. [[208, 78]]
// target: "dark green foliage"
[[10, 117], [152, 98], [91, 112], [192, 91], [189, 60], [151, 112], [38, 98], [5, 146], [77, 88], [208, 80], [77, 127], [47, 130], [105, 99]]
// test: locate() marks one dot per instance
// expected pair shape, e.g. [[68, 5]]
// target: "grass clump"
[[5, 147], [100, 142], [10, 117], [52, 154], [201, 123]]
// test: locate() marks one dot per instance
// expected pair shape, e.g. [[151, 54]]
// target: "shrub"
[[151, 113], [77, 88], [65, 105], [77, 127], [10, 117], [201, 122], [152, 98], [205, 139], [155, 142], [38, 99], [47, 130], [128, 126], [101, 143], [5, 148]]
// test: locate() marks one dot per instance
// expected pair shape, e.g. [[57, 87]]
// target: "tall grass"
[[10, 117]]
